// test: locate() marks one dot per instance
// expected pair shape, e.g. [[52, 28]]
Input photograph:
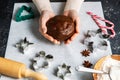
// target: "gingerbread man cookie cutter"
[[42, 61]]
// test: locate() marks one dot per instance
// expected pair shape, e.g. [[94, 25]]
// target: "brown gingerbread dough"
[[60, 27]]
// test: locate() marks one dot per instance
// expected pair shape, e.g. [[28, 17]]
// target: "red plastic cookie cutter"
[[102, 27]]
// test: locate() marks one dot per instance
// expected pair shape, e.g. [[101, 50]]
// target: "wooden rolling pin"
[[18, 70]]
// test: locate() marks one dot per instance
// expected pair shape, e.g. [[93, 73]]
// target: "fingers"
[[45, 16], [65, 13], [71, 39], [43, 27], [77, 23], [50, 38], [68, 41]]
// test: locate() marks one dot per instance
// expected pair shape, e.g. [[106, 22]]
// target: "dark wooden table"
[[110, 8]]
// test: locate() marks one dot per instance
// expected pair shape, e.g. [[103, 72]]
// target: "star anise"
[[87, 64], [85, 53]]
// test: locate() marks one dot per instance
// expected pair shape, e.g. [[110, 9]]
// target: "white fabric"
[[73, 5], [42, 5]]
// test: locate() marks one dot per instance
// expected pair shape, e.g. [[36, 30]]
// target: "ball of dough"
[[60, 27]]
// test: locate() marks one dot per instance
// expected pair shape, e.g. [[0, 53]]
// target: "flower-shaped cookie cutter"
[[19, 17], [23, 45], [63, 71], [92, 44], [42, 61]]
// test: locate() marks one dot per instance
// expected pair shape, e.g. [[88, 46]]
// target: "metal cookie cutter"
[[91, 42], [110, 25], [63, 71], [99, 33], [19, 17], [23, 45], [42, 61]]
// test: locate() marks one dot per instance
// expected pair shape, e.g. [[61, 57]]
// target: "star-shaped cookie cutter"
[[23, 45], [42, 61], [63, 71], [93, 33], [89, 40]]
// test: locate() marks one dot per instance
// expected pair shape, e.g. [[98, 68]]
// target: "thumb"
[[77, 24], [43, 27]]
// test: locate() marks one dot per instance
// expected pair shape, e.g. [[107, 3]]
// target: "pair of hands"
[[46, 15]]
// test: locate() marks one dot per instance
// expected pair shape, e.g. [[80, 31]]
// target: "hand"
[[74, 15], [45, 16]]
